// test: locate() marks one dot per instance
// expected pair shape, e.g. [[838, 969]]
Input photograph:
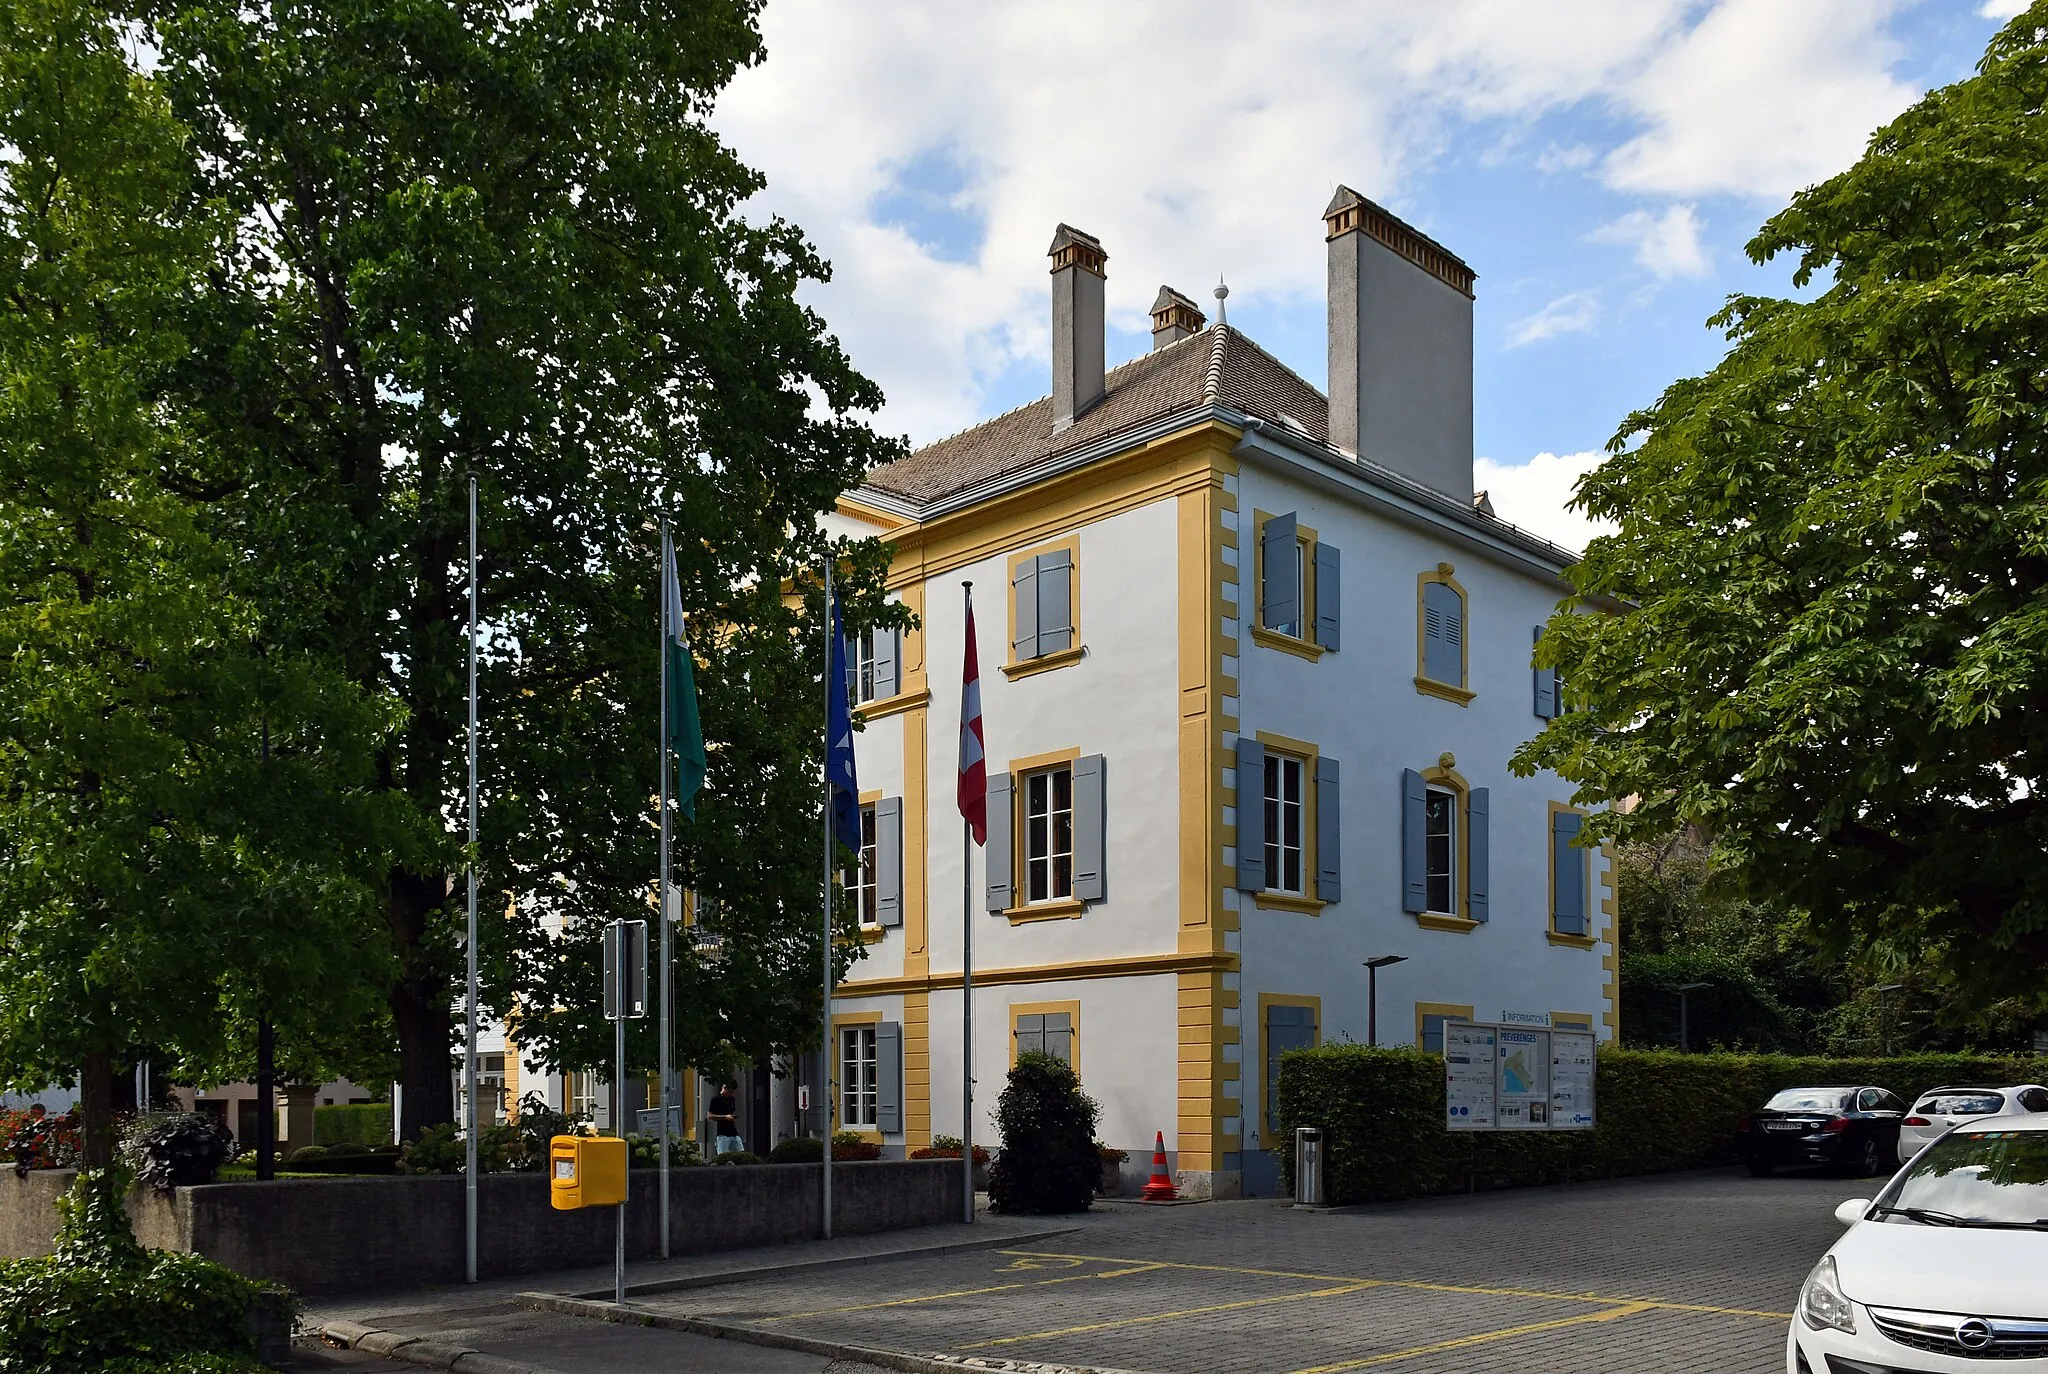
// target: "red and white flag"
[[973, 757]]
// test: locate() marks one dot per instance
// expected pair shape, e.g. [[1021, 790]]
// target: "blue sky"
[[1599, 163]]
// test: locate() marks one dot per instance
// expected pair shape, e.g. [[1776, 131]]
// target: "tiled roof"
[[1218, 365]]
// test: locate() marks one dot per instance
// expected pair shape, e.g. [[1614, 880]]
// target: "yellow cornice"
[[1134, 965]]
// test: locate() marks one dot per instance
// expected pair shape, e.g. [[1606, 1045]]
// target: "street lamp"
[[1884, 1028], [1372, 993], [1684, 1028]]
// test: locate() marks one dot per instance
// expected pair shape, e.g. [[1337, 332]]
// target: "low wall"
[[347, 1235]]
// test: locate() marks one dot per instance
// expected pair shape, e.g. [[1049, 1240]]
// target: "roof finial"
[[1222, 294]]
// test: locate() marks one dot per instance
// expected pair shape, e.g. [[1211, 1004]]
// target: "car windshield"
[[1962, 1104], [1976, 1177], [1809, 1100]]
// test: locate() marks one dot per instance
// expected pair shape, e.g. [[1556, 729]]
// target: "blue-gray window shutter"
[[889, 861], [888, 661], [1251, 815], [1329, 596], [1329, 852], [1001, 866], [1568, 863], [889, 1078], [1091, 884], [1479, 853], [1024, 603], [1055, 601], [1277, 545], [1414, 834], [1443, 634], [1546, 686]]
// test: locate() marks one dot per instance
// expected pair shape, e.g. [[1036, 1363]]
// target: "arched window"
[[1442, 653]]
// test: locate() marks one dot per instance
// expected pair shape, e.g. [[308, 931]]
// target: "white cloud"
[[1666, 245], [2002, 10], [1573, 313], [1576, 158], [1535, 495]]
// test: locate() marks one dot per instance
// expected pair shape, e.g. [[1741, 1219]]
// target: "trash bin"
[[1308, 1166]]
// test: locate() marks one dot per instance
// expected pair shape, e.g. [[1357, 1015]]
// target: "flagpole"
[[967, 984], [661, 899], [469, 1115], [825, 1058]]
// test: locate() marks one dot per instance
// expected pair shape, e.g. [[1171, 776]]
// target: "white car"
[[1940, 1108], [1946, 1270]]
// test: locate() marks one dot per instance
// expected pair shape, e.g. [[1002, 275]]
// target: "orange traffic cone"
[[1160, 1188]]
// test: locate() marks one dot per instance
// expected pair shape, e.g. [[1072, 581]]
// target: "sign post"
[[625, 998], [1515, 1076]]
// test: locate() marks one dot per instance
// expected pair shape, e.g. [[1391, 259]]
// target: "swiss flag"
[[973, 757]]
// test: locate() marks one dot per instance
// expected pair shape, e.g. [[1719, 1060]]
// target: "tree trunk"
[[96, 1105], [422, 1006], [266, 1102]]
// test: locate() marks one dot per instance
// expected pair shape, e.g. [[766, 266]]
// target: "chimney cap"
[[1169, 298], [1073, 247], [1349, 212]]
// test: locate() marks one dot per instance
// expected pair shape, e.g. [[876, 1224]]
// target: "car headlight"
[[1821, 1302]]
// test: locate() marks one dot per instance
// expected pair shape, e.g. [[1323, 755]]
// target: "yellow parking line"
[[1136, 1267], [1169, 1316], [1482, 1338]]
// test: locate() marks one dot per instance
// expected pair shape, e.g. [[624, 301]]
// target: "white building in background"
[[1253, 665]]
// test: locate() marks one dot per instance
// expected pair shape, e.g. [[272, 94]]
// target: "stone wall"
[[343, 1235]]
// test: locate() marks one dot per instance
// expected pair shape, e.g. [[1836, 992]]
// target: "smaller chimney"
[[1077, 324], [1174, 317]]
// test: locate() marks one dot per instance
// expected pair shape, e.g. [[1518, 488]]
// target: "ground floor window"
[[1049, 1032], [857, 1077]]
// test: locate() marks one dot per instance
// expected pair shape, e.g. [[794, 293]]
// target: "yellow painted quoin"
[[586, 1171]]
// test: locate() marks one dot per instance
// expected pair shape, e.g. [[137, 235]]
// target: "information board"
[[1517, 1078]]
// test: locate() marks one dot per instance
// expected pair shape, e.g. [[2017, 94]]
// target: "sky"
[[1599, 163]]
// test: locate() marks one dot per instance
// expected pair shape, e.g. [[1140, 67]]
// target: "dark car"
[[1850, 1130]]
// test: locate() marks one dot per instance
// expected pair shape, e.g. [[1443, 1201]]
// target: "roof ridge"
[[1212, 381]]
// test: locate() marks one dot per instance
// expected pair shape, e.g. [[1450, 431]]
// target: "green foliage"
[[178, 1150], [437, 1151], [644, 1151], [798, 1149], [1382, 1114], [1828, 587], [360, 1123], [539, 1124], [1048, 1162], [739, 1157], [101, 1302]]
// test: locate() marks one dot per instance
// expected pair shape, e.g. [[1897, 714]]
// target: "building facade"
[[1253, 663]]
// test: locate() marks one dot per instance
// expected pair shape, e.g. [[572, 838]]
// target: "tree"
[[1826, 627], [498, 241]]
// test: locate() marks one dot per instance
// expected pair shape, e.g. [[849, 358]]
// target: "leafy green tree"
[[1829, 586], [498, 241]]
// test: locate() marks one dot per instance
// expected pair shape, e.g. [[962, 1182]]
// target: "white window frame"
[[860, 669], [1448, 874], [859, 877], [1048, 836], [859, 1078], [1281, 808]]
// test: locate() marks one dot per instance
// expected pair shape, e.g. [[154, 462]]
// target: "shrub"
[[539, 1124], [305, 1154], [1048, 1161], [852, 1145], [437, 1151], [355, 1123], [739, 1157], [644, 1151], [176, 1150], [41, 1142], [798, 1149], [1382, 1114], [347, 1149], [948, 1147]]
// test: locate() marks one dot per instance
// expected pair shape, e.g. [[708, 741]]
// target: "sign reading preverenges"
[[1517, 1077]]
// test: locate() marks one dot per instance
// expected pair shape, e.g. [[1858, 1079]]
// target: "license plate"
[[1782, 1126]]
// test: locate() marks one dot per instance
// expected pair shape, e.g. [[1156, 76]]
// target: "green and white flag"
[[685, 729]]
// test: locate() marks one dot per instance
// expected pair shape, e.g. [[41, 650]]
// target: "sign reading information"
[[1517, 1078]]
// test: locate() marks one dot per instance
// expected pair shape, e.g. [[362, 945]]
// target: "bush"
[[948, 1147], [539, 1124], [41, 1142], [306, 1154], [644, 1151], [357, 1123], [103, 1303], [1048, 1161], [1382, 1114], [176, 1150], [347, 1149], [437, 1151], [798, 1149], [740, 1157]]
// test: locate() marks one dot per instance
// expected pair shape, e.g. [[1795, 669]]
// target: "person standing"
[[725, 1123]]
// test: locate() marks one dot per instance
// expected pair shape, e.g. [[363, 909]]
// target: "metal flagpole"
[[967, 984], [661, 899], [621, 961], [469, 1114], [825, 1058]]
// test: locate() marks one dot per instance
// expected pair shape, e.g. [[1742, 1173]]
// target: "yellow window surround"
[[1456, 1011], [1058, 908], [1279, 999], [1550, 930], [1456, 692], [1446, 776], [837, 1069], [1300, 645], [1013, 667], [1071, 1008], [1305, 902]]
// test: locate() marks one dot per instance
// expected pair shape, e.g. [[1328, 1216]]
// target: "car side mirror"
[[1851, 1212]]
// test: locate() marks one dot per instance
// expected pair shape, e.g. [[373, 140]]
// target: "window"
[[579, 1094], [1442, 638], [1049, 835], [2034, 1099], [1287, 1028], [1289, 594], [1440, 849], [1283, 826], [860, 669], [1049, 1032], [860, 877], [1299, 588], [858, 1077], [872, 666], [1568, 864], [1042, 620]]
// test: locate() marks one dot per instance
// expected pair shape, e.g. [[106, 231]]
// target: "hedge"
[[358, 1123], [1382, 1114]]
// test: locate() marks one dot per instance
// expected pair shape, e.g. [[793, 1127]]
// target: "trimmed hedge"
[[1382, 1114], [358, 1123]]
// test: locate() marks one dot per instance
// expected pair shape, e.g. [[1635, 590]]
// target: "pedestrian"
[[725, 1122]]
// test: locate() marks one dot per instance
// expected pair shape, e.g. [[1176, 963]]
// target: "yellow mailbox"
[[586, 1171]]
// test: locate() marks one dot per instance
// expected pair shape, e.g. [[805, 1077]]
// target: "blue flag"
[[839, 779]]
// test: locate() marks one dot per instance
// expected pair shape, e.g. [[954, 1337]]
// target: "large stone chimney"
[[1174, 317], [1077, 324], [1400, 346]]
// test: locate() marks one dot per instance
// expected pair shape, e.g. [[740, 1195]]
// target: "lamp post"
[[1684, 1026], [1884, 1027], [1372, 993]]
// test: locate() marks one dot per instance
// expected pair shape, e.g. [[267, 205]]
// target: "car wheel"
[[1759, 1168], [1873, 1159]]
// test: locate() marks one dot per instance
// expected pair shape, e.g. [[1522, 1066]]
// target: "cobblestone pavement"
[[1692, 1272]]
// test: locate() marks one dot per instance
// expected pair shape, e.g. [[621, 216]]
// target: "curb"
[[805, 1345], [421, 1350]]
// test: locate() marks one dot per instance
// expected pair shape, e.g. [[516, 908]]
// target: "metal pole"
[[825, 1056], [469, 1114], [967, 986], [668, 633], [619, 962], [1372, 1005], [1684, 1030]]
